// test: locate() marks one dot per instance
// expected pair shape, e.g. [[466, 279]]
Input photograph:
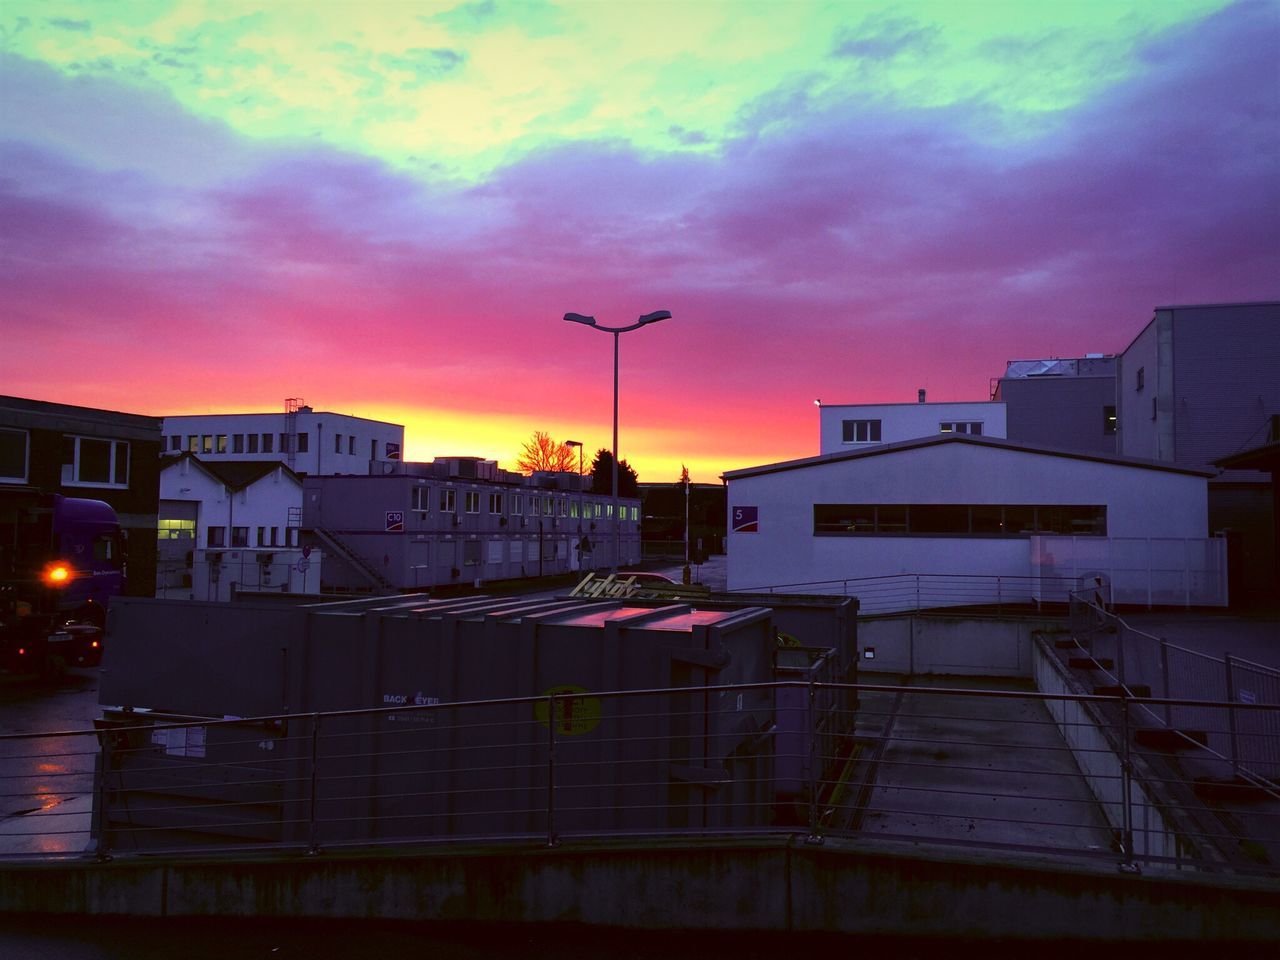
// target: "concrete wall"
[[1140, 503], [955, 646], [906, 421], [768, 884]]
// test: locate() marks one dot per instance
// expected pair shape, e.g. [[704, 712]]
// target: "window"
[[373, 449], [470, 552], [421, 499], [262, 536], [574, 508], [237, 443], [253, 443], [1109, 419], [304, 443], [1153, 408], [495, 503], [216, 537], [206, 443], [175, 443], [267, 440], [393, 451], [220, 444], [337, 443], [517, 504], [472, 501], [14, 456], [96, 462], [447, 504], [290, 536], [275, 536], [861, 431], [563, 508], [351, 446], [597, 510], [284, 443], [239, 536], [971, 427], [1140, 379], [951, 519], [193, 443], [635, 513], [548, 506], [534, 506], [175, 529]]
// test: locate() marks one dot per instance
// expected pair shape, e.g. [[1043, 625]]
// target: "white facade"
[[989, 484], [319, 443], [855, 426], [202, 512]]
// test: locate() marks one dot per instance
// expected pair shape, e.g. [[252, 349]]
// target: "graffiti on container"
[[574, 715], [418, 699]]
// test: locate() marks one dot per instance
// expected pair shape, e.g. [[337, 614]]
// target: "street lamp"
[[578, 444], [645, 320]]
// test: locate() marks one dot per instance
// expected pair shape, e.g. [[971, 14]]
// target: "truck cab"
[[61, 560]]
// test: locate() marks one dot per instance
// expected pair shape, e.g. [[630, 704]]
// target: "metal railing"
[[1149, 665], [1002, 770], [905, 592]]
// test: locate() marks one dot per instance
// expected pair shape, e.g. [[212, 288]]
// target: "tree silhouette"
[[541, 453], [602, 476]]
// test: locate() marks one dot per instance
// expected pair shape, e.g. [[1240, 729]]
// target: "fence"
[[899, 593], [203, 578], [978, 768], [1149, 665], [1142, 571]]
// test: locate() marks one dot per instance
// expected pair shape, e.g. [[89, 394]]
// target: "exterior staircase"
[[337, 548]]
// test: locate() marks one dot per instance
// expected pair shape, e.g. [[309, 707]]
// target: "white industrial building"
[[228, 526], [964, 506], [310, 442], [855, 426]]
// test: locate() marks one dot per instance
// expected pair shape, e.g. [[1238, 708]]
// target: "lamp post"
[[578, 444], [645, 320]]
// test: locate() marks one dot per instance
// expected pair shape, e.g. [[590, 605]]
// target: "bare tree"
[[541, 453]]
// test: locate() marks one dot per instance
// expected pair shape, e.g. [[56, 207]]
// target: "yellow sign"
[[574, 715]]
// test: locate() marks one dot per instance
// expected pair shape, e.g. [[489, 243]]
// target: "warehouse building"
[[968, 506]]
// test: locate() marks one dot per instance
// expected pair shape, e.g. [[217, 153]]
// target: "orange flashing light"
[[57, 574]]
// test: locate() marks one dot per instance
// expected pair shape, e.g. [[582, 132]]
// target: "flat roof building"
[[1198, 384], [93, 454], [854, 426], [1068, 403], [308, 441]]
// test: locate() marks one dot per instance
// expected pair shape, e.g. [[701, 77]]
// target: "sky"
[[386, 208]]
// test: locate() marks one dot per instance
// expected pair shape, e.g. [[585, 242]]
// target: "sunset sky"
[[386, 208]]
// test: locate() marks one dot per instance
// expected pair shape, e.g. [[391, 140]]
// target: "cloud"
[[884, 38], [849, 250]]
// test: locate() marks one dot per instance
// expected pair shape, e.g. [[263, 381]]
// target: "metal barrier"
[[1001, 770], [1145, 664], [901, 593]]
